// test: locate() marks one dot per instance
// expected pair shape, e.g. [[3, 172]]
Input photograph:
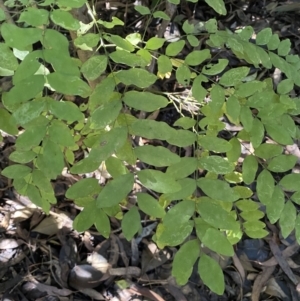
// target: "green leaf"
[[51, 162], [40, 180], [199, 93], [211, 274], [282, 163], [234, 153], [127, 58], [250, 167], [188, 187], [83, 188], [143, 10], [150, 205], [131, 223], [94, 67], [164, 64], [22, 156], [71, 3], [296, 197], [34, 17], [216, 164], [106, 114], [182, 138], [85, 219], [184, 261], [274, 42], [185, 122], [115, 191], [156, 155], [246, 118], [183, 75], [87, 41], [244, 192], [217, 98], [64, 110], [151, 129], [233, 108], [136, 76], [279, 134], [218, 6], [16, 171], [217, 190], [215, 69], [7, 58], [84, 166], [68, 84], [217, 242], [183, 168], [115, 167], [8, 123], [287, 219], [53, 39], [247, 205], [264, 36], [102, 223], [248, 89], [35, 196], [145, 101], [215, 144], [197, 57], [20, 38], [252, 215], [284, 47], [297, 228], [154, 43], [285, 86], [268, 150], [276, 206], [257, 133], [290, 182], [174, 48], [161, 15], [119, 42], [212, 212], [64, 19], [265, 187], [60, 133], [158, 181], [234, 76]]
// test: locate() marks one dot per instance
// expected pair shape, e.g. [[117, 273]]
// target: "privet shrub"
[[50, 129]]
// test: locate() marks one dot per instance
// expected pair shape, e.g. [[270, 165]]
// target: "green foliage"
[[49, 131]]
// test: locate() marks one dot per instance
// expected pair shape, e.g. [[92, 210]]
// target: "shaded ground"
[[42, 258]]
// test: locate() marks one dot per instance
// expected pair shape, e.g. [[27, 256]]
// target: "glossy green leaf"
[[156, 155], [115, 191], [174, 48], [276, 206], [94, 67], [16, 171], [102, 223], [250, 167], [217, 190], [197, 57], [183, 168], [265, 187], [287, 219], [215, 215], [64, 19], [234, 76], [105, 114], [282, 163], [83, 188], [150, 205], [217, 242], [216, 164], [131, 223], [290, 182], [158, 181], [151, 129], [211, 274], [215, 144], [184, 261], [145, 101], [138, 77]]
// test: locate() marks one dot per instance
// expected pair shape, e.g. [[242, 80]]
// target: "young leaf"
[[158, 181], [156, 155], [250, 166], [144, 101], [131, 223], [150, 205], [217, 190], [184, 261], [287, 219], [211, 274], [199, 93], [265, 187], [217, 242], [115, 191]]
